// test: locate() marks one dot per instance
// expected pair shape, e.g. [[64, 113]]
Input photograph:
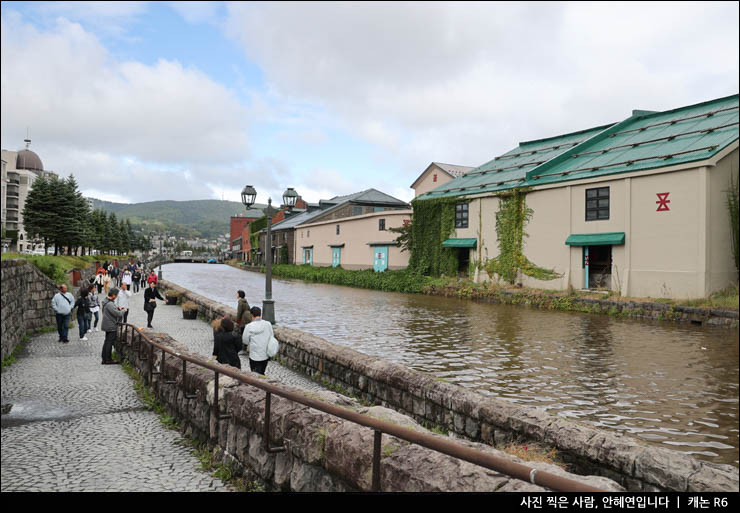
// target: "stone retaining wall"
[[323, 453], [26, 301], [627, 460]]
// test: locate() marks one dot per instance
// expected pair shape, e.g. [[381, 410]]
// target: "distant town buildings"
[[349, 231], [19, 170]]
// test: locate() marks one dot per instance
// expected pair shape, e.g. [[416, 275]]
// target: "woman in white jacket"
[[257, 335]]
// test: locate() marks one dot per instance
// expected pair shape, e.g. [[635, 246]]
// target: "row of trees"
[[56, 212]]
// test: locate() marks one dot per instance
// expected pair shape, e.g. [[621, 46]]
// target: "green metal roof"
[[643, 141], [595, 239], [460, 243]]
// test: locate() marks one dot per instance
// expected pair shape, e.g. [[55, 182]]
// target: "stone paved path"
[[77, 425]]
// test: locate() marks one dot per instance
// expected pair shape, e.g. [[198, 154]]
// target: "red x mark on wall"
[[663, 201]]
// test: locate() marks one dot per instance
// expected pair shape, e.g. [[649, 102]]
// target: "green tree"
[[38, 219]]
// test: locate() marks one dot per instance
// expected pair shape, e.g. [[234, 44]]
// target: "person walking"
[[99, 280], [150, 302], [94, 307], [243, 316], [227, 344], [143, 279], [62, 304], [256, 336], [117, 276], [107, 282], [83, 313], [126, 278], [152, 278], [122, 301], [136, 280], [111, 316]]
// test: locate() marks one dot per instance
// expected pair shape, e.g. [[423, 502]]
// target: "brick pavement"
[[77, 425]]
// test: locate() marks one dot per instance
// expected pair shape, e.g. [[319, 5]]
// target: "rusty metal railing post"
[[151, 363], [215, 397], [266, 431], [376, 460], [184, 382]]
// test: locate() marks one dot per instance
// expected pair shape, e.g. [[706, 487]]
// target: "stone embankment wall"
[[632, 309], [26, 302], [588, 450], [323, 453]]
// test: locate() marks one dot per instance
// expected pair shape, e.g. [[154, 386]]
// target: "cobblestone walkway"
[[77, 425]]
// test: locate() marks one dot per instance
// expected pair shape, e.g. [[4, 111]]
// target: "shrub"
[[189, 306]]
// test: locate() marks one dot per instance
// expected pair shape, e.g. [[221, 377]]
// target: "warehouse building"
[[639, 207]]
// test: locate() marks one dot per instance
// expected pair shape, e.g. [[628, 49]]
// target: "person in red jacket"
[[152, 278]]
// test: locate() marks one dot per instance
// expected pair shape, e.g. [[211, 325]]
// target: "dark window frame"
[[598, 204], [337, 229], [461, 215], [381, 225]]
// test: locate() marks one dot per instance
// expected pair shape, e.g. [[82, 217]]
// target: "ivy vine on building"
[[511, 218], [432, 222]]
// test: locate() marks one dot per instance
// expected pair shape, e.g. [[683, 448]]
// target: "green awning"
[[595, 239], [460, 243]]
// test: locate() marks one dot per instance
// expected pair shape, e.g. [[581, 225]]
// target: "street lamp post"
[[159, 273], [290, 197]]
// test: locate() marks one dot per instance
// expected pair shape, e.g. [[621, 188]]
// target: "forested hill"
[[203, 218]]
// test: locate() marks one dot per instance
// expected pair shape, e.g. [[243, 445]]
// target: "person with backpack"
[[227, 344], [62, 304], [257, 336], [111, 316]]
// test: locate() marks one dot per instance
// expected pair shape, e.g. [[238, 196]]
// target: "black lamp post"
[[159, 273], [290, 197]]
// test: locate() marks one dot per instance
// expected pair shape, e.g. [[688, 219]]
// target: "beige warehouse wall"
[[355, 233], [721, 269], [548, 228], [427, 182], [667, 252]]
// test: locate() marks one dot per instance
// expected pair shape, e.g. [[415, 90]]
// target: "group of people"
[[114, 306], [250, 330], [133, 275], [230, 337]]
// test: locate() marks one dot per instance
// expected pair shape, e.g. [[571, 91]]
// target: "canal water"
[[672, 385]]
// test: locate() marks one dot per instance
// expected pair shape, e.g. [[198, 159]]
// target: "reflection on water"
[[675, 386]]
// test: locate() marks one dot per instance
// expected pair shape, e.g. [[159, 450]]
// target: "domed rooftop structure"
[[27, 159]]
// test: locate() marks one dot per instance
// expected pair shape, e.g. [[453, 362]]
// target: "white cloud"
[[196, 12], [463, 82], [91, 114]]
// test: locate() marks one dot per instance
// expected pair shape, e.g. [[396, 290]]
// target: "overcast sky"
[[145, 101]]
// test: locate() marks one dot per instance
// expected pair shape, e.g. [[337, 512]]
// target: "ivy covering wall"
[[432, 223], [513, 214]]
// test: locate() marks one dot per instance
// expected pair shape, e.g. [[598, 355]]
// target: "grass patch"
[[11, 358], [532, 452]]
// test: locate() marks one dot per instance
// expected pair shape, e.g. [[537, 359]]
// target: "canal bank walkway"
[[77, 425]]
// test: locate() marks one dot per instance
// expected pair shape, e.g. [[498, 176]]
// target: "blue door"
[[336, 256], [308, 256], [380, 260]]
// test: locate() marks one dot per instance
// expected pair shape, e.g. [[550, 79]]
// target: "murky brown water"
[[672, 385]]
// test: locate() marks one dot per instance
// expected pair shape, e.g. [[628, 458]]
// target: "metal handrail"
[[510, 468]]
